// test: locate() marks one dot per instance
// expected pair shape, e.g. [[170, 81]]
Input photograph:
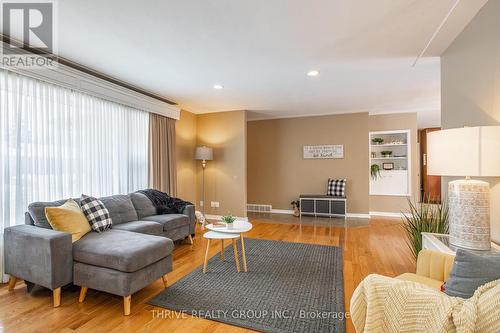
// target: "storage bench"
[[323, 205]]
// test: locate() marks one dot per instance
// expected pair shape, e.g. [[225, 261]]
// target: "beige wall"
[[470, 85], [185, 129], [278, 174], [400, 121], [225, 176]]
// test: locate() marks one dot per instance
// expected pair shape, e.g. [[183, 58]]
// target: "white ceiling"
[[260, 51]]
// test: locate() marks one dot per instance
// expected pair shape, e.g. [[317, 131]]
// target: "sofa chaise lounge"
[[122, 260]]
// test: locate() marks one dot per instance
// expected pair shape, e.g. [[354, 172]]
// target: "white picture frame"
[[323, 152]]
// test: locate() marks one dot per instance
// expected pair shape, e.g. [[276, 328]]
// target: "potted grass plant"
[[424, 216]]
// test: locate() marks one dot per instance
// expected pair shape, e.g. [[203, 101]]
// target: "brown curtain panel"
[[162, 166]]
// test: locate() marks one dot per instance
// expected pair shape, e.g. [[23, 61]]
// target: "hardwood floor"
[[376, 247]]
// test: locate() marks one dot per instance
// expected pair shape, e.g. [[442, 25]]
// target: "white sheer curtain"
[[57, 143]]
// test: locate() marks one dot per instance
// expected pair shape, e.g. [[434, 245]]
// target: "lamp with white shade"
[[469, 152], [203, 154]]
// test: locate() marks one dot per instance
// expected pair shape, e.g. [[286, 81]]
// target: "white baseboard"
[[282, 211], [387, 214], [358, 215], [290, 212], [218, 217]]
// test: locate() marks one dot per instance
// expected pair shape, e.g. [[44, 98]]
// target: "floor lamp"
[[203, 154], [469, 152]]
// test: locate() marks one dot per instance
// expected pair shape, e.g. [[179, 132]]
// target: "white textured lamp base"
[[469, 202]]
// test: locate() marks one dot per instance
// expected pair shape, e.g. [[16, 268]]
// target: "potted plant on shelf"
[[228, 220], [296, 207], [377, 141], [386, 153], [375, 171]]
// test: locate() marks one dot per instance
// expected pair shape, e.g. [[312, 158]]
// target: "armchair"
[[433, 269]]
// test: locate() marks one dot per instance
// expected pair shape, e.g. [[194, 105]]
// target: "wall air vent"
[[259, 208]]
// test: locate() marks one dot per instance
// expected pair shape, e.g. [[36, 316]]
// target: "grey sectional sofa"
[[121, 261]]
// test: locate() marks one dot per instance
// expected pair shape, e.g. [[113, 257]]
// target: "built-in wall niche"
[[390, 162]]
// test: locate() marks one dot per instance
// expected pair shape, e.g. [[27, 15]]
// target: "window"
[[57, 143]]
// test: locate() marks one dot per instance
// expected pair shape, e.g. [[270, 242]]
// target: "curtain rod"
[[6, 39]]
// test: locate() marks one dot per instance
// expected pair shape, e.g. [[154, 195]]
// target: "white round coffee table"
[[235, 231], [222, 236]]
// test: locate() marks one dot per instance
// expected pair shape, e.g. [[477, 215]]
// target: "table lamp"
[[469, 152], [203, 154]]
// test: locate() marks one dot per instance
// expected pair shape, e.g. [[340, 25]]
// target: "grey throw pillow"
[[470, 271]]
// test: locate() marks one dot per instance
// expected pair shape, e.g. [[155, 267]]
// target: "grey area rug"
[[289, 287]]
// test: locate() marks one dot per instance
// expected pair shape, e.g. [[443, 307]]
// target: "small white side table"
[[441, 243], [222, 236], [239, 227]]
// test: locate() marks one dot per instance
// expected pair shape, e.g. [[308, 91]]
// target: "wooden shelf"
[[389, 158], [390, 145], [396, 182]]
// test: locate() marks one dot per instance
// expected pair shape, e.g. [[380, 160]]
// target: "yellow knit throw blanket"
[[383, 304]]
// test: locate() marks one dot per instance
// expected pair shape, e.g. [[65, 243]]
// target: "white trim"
[[392, 132], [71, 78], [353, 215], [387, 214], [370, 112], [282, 211], [358, 215], [391, 195], [290, 212], [218, 217]]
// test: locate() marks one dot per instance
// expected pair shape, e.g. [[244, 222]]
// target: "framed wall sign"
[[323, 151]]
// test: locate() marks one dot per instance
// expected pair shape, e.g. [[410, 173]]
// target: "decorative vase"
[[230, 225]]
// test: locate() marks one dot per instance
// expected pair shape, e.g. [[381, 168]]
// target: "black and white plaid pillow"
[[97, 214], [336, 187]]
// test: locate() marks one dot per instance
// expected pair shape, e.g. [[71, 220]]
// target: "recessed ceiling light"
[[218, 86], [313, 73]]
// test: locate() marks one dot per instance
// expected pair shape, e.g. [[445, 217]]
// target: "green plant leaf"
[[424, 217]]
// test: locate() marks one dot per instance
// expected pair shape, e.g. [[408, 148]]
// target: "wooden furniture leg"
[[56, 293], [222, 250], [12, 282], [83, 293], [127, 300], [165, 283], [206, 257], [243, 253], [235, 249], [190, 238]]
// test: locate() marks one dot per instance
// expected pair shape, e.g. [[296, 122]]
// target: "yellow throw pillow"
[[68, 218]]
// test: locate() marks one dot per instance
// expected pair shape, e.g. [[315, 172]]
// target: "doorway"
[[430, 186]]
